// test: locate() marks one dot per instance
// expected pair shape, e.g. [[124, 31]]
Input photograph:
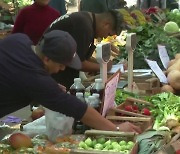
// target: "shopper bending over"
[[25, 76]]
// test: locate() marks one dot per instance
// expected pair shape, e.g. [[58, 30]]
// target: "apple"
[[37, 113], [19, 140]]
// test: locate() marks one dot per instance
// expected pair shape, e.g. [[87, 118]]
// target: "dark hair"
[[118, 21]]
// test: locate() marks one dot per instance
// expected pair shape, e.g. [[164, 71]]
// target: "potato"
[[174, 79], [177, 56], [171, 62], [175, 66], [167, 88]]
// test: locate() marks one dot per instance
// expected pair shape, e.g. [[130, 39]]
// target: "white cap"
[[80, 94], [77, 79]]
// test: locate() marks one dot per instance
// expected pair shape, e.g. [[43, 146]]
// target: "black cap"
[[60, 47]]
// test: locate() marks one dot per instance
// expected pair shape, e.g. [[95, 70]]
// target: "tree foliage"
[[19, 3]]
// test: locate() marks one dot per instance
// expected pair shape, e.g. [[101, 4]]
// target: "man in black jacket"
[[25, 77], [84, 27]]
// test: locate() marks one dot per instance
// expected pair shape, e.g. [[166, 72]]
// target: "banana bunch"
[[127, 18], [116, 40], [139, 16], [112, 40]]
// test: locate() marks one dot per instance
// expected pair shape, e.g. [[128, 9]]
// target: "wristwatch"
[[117, 128]]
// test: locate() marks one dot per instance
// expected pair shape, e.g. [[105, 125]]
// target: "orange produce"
[[19, 140]]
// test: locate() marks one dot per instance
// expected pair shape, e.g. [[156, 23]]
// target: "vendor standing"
[[25, 76], [84, 27]]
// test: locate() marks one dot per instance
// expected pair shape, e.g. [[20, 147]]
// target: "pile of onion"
[[173, 76]]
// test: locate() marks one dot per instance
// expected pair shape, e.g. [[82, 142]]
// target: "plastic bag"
[[57, 124], [36, 127]]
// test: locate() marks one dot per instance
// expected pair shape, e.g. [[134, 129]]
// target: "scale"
[[103, 53], [130, 47]]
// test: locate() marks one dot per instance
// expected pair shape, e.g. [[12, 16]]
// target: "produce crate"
[[119, 114], [107, 135], [130, 101], [149, 86], [143, 122]]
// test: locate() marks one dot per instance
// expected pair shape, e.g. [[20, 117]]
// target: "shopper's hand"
[[115, 49], [62, 87], [129, 127]]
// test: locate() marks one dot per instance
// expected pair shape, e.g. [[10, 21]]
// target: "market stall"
[[135, 95]]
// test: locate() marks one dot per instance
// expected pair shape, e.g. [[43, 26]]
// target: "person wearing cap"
[[84, 28], [25, 76]]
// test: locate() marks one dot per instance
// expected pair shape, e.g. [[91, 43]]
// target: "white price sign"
[[163, 55], [157, 70]]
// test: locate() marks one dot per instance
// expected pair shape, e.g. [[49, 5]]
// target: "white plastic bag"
[[37, 127], [57, 124]]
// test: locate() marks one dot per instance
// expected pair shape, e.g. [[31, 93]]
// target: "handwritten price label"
[[157, 70], [163, 55]]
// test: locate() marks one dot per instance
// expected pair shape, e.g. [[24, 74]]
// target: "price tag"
[[163, 55], [157, 70], [117, 67], [110, 92]]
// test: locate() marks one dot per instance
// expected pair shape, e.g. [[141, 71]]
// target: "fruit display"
[[173, 76], [136, 111], [19, 140], [138, 15], [128, 19], [136, 106], [103, 144], [174, 16], [171, 27], [19, 143], [148, 37]]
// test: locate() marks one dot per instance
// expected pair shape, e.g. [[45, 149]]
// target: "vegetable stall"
[[156, 113]]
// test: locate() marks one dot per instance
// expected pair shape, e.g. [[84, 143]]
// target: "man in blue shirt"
[[59, 5], [25, 77]]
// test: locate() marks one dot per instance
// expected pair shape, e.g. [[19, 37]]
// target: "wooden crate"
[[119, 110], [143, 122], [148, 86], [115, 135]]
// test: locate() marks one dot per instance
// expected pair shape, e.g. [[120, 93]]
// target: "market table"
[[23, 113]]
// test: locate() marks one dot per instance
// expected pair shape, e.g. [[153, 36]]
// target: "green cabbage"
[[171, 27], [175, 10]]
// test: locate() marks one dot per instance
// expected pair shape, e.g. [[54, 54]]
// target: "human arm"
[[88, 66], [99, 122], [62, 87]]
